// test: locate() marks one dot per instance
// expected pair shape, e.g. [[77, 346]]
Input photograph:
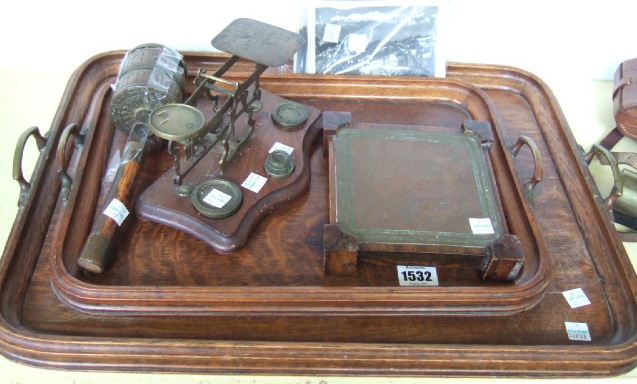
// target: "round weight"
[[217, 198], [289, 115], [279, 164]]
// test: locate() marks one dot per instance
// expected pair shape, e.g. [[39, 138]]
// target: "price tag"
[[416, 275], [357, 43], [332, 33], [281, 147], [577, 331], [216, 198], [254, 182], [481, 226], [576, 298], [117, 211]]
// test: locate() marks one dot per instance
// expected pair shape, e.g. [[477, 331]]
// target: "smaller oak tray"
[[284, 253]]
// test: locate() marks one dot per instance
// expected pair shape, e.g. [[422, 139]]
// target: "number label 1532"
[[416, 275]]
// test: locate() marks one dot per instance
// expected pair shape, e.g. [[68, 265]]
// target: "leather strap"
[[624, 81], [611, 139]]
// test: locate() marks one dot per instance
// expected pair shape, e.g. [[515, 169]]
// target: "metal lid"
[[290, 115], [279, 164], [217, 198], [177, 122]]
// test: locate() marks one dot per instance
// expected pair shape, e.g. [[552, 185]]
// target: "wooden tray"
[[284, 254], [583, 251]]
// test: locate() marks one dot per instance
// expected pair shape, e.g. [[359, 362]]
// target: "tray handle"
[[607, 158], [538, 172], [61, 156], [40, 141]]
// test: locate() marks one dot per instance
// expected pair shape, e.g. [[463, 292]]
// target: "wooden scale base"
[[161, 203]]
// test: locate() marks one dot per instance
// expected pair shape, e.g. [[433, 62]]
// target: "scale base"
[[161, 203]]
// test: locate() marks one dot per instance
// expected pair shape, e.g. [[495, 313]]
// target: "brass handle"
[[625, 158], [61, 157], [18, 176], [538, 173], [618, 187]]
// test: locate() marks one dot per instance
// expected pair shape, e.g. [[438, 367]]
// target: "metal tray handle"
[[40, 141], [538, 172], [618, 187], [61, 156]]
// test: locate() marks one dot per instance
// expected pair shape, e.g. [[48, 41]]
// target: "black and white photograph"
[[374, 38]]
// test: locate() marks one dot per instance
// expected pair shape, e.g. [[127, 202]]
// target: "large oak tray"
[[48, 320]]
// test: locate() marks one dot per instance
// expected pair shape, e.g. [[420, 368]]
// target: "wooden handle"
[[96, 252]]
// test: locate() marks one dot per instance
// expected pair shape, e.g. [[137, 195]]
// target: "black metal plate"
[[257, 41]]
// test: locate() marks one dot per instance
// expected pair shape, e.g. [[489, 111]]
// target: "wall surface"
[[548, 37]]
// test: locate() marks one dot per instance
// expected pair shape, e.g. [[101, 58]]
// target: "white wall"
[[551, 38]]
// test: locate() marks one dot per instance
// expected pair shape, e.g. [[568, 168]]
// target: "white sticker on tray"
[[254, 182], [216, 198], [415, 275], [576, 298], [481, 226], [577, 331], [281, 147], [117, 211], [332, 33], [357, 43]]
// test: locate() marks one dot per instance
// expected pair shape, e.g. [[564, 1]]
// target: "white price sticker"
[[254, 182], [576, 298], [416, 275], [577, 331], [357, 43], [332, 33], [216, 198], [481, 226], [117, 211], [281, 147]]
